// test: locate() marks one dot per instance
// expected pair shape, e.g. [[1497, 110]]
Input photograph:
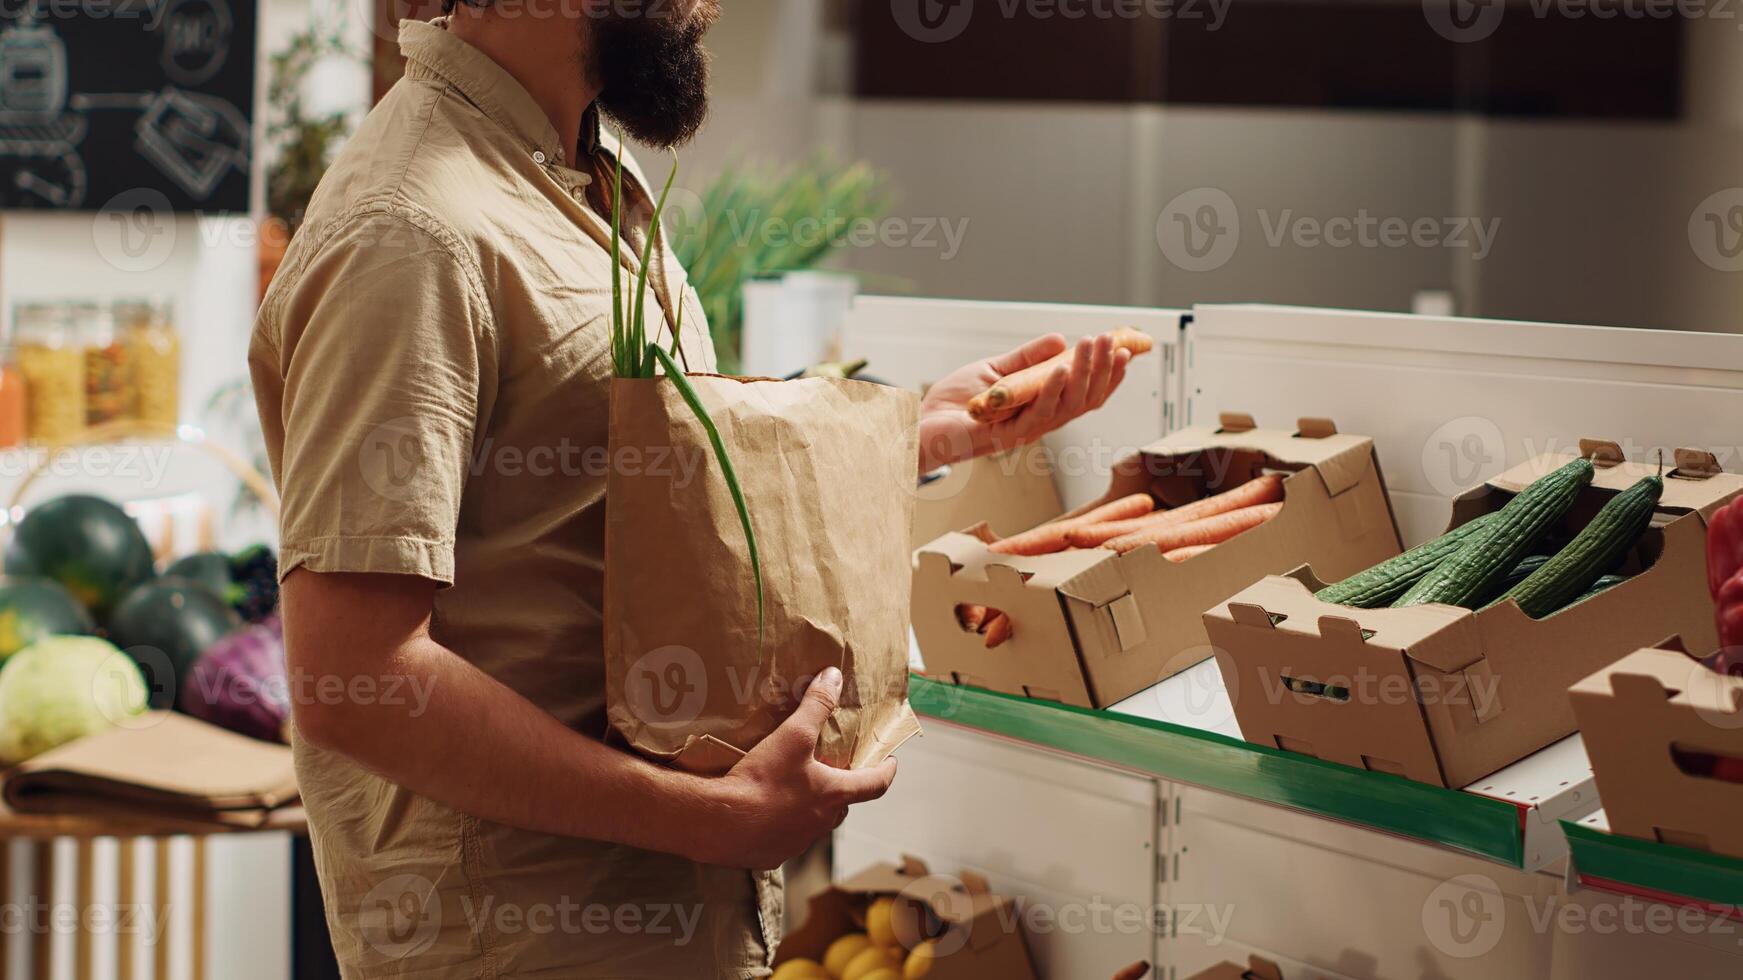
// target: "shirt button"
[[539, 157]]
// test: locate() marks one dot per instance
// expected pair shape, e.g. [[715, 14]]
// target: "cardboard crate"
[[1257, 968], [1091, 627], [976, 934], [1665, 736], [1444, 695]]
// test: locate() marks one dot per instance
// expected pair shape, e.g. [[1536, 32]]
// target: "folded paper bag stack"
[[162, 769]]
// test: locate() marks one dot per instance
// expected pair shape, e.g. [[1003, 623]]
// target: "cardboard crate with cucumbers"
[[903, 921], [1106, 601], [1664, 731], [1257, 968], [1453, 660]]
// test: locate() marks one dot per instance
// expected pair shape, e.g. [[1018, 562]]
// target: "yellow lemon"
[[919, 961], [870, 960], [878, 923], [842, 951], [800, 969]]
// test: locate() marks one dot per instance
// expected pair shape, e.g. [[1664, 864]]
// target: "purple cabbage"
[[239, 682]]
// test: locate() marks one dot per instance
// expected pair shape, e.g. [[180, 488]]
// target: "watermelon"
[[209, 568], [87, 544], [34, 607], [165, 625], [247, 580]]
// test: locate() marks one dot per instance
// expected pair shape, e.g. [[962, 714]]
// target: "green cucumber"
[[1599, 547], [1485, 558], [1526, 566], [1385, 582]]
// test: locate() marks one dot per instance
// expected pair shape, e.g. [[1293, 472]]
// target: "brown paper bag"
[[160, 766], [828, 469]]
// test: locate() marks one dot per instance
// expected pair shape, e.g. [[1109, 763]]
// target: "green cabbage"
[[61, 688]]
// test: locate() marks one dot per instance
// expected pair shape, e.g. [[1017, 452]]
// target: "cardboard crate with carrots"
[[1556, 568], [904, 921], [1665, 735], [1103, 602], [1257, 968]]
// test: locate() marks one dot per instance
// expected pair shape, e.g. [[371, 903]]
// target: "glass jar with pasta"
[[53, 364], [109, 394], [154, 357]]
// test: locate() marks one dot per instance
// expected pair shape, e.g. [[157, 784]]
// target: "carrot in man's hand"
[[1209, 530], [1051, 537], [1264, 489], [970, 616], [1019, 388]]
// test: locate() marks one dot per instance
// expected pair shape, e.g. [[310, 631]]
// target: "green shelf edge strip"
[[1663, 868], [1473, 824]]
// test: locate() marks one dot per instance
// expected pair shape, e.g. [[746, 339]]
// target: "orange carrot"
[[1190, 551], [1209, 530], [1264, 489], [1051, 537], [1022, 387], [998, 630], [971, 617]]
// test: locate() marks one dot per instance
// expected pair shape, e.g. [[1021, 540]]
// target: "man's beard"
[[653, 73]]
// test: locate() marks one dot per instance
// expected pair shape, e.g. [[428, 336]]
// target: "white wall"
[[1061, 201]]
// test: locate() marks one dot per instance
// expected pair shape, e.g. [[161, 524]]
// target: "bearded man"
[[431, 366]]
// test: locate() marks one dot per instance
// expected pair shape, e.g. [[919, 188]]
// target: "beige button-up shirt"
[[431, 366]]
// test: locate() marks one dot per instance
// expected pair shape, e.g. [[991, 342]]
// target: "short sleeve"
[[388, 363]]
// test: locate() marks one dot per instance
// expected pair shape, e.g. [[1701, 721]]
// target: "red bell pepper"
[[1725, 573]]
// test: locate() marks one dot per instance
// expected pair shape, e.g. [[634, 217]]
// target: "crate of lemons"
[[901, 922]]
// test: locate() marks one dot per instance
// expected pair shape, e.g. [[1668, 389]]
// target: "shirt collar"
[[429, 47]]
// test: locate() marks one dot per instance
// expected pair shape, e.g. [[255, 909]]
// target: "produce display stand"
[[87, 862], [1510, 817], [1332, 871], [131, 836], [1657, 872]]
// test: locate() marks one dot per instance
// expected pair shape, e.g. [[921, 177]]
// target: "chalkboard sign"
[[126, 104]]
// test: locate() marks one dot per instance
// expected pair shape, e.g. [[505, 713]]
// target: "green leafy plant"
[[305, 141], [633, 355], [748, 231]]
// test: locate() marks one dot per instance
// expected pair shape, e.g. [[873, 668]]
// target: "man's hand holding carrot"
[[1056, 382]]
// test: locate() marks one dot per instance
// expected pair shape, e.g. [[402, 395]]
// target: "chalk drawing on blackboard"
[[196, 39], [192, 138], [39, 138]]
